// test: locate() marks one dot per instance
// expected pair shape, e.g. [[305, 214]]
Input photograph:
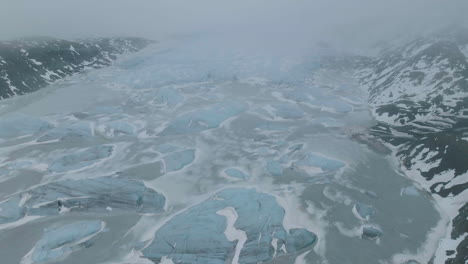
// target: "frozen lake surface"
[[189, 152]]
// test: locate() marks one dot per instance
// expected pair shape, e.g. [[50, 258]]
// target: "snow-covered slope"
[[28, 64], [418, 91]]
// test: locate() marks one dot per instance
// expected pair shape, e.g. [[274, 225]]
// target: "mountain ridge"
[[418, 93], [28, 64]]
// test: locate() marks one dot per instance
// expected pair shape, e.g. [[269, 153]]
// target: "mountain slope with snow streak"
[[29, 64], [418, 92]]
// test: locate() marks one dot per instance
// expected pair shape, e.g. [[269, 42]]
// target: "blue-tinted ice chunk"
[[274, 168], [11, 211], [78, 130], [371, 233], [166, 148], [93, 195], [236, 173], [57, 243], [299, 238], [197, 235], [17, 125], [364, 211], [410, 191]]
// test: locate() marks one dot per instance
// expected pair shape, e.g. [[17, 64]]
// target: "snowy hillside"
[[29, 64], [418, 92]]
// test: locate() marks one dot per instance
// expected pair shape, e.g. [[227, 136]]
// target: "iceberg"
[[371, 233], [203, 238], [363, 211], [94, 195], [57, 243]]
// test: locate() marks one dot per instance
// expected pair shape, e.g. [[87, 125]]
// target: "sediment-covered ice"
[[197, 235], [86, 196], [371, 232]]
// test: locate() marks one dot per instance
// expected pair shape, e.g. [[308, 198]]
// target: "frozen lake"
[[192, 152]]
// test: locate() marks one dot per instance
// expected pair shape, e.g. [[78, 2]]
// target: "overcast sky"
[[346, 21]]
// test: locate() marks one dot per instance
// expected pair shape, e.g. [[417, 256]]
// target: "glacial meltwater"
[[197, 152]]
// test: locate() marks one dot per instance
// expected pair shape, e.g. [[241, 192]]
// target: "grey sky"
[[345, 21]]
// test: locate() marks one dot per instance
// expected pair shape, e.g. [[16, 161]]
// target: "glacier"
[[195, 152]]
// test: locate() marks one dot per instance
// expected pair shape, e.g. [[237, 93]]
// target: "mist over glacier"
[[347, 24], [246, 132]]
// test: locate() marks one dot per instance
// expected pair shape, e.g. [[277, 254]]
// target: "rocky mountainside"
[[29, 64], [418, 91]]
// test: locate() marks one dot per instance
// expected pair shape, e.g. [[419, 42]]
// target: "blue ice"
[[77, 130], [410, 191], [82, 158], [166, 148], [274, 168], [371, 232], [365, 211], [178, 160], [94, 196], [17, 125], [201, 240], [236, 173], [11, 211], [58, 242], [204, 119]]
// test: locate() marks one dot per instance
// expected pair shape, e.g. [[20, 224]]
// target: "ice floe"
[[253, 215]]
